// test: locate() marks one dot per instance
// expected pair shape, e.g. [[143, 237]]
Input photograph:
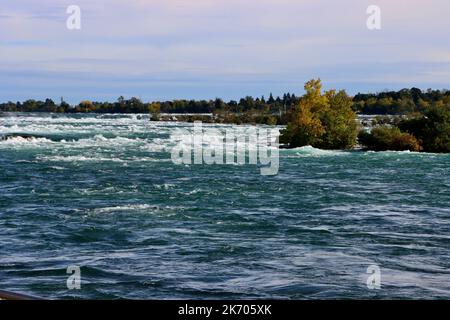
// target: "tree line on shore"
[[383, 103], [324, 120], [135, 105]]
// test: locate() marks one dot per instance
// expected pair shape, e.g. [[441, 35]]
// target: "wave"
[[309, 151], [100, 140], [390, 153], [99, 158], [131, 207], [78, 159], [21, 139], [140, 208], [153, 145]]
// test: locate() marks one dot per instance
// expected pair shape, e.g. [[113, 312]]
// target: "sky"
[[203, 49]]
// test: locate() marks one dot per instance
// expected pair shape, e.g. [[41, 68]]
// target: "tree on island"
[[427, 131], [389, 138], [432, 128], [322, 120]]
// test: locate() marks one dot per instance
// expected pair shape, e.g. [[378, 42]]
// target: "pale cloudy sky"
[[167, 49]]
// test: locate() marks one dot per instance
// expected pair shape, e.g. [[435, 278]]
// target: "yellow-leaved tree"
[[322, 120]]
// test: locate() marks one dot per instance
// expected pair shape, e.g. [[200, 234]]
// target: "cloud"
[[258, 44]]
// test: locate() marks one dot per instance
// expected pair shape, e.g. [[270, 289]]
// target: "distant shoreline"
[[409, 119], [381, 103]]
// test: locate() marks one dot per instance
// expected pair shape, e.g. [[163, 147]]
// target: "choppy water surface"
[[101, 192]]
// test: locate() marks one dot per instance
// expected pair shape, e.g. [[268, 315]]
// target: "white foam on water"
[[131, 207], [101, 141], [139, 208], [390, 153], [97, 158], [78, 158], [309, 151], [165, 186], [25, 141]]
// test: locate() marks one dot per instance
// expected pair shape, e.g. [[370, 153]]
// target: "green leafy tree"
[[322, 120], [338, 119], [432, 128], [389, 138]]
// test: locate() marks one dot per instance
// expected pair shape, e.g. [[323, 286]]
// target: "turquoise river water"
[[101, 192]]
